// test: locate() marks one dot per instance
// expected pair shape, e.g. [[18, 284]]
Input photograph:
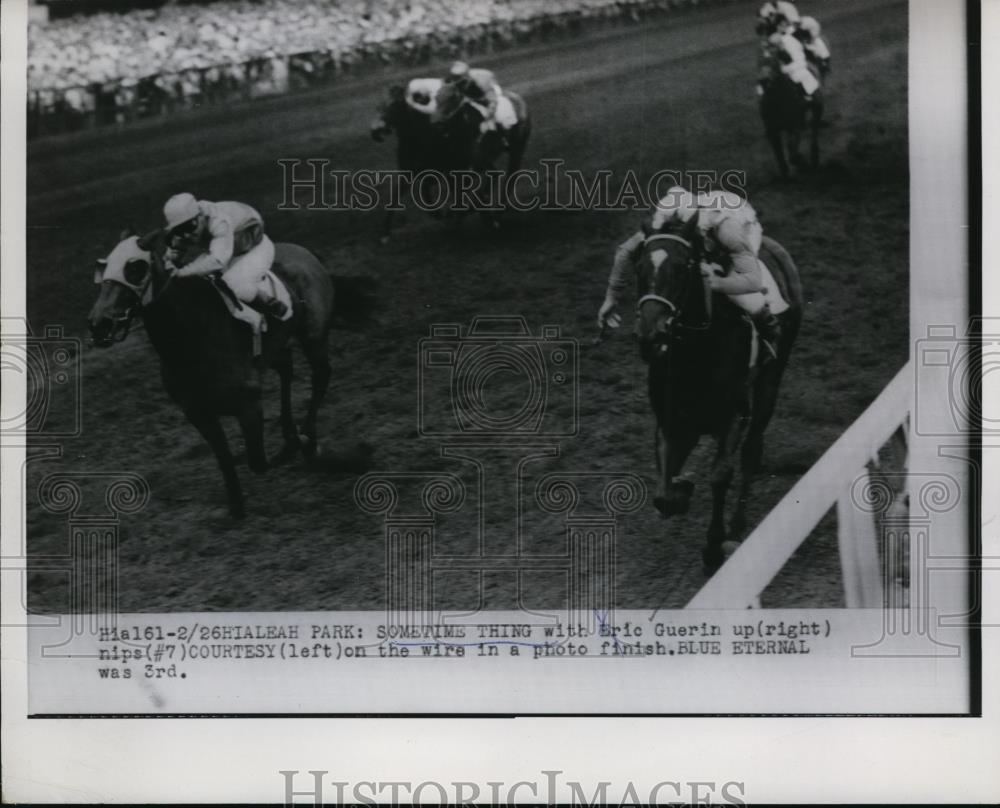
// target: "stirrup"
[[275, 308]]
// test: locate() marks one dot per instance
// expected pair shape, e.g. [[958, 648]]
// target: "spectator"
[[180, 53]]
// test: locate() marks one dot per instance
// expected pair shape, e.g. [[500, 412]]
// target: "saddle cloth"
[[506, 115], [421, 94], [252, 317]]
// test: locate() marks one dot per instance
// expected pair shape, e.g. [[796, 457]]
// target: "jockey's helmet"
[[810, 25], [767, 11], [787, 9], [458, 70], [180, 209]]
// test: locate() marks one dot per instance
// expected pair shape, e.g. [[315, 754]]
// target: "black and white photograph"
[[539, 358]]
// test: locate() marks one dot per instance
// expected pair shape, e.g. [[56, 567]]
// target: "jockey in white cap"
[[480, 88], [728, 224], [810, 35], [776, 15], [229, 237]]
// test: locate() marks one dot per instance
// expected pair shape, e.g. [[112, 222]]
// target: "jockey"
[[728, 224], [792, 58], [776, 16], [480, 88], [230, 238], [809, 34]]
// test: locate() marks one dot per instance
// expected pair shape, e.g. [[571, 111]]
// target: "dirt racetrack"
[[677, 94]]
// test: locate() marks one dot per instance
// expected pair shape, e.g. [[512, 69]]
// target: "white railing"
[[832, 480]]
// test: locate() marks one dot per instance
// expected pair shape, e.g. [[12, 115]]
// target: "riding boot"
[[271, 307], [226, 290], [769, 328]]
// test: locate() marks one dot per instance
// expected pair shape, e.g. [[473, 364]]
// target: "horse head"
[[385, 122], [131, 277], [454, 113], [672, 292]]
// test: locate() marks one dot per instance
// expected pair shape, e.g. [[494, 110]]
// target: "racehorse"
[[461, 121], [786, 113], [446, 142], [206, 355], [703, 378]]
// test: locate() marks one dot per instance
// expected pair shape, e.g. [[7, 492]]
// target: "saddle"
[[247, 314]]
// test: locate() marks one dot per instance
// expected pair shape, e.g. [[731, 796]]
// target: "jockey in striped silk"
[[776, 16], [732, 236], [228, 238], [480, 88]]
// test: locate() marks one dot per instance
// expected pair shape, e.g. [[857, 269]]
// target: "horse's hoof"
[[711, 559], [671, 506], [729, 547], [288, 451]]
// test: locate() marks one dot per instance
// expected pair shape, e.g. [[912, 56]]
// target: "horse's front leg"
[[723, 470], [673, 496], [778, 147], [794, 150], [283, 366], [395, 206], [251, 420], [211, 430], [319, 364], [816, 120]]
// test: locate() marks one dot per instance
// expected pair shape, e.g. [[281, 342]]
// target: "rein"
[[674, 311]]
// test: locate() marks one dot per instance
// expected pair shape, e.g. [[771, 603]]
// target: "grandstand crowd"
[[109, 67]]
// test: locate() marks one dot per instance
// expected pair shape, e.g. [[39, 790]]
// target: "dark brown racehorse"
[[460, 122], [206, 355], [787, 113], [701, 377], [451, 141]]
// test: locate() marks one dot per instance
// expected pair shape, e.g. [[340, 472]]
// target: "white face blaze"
[[116, 267]]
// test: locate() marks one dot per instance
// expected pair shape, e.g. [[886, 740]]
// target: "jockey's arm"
[[485, 83], [820, 49], [219, 253], [744, 276], [625, 258], [734, 236], [623, 265]]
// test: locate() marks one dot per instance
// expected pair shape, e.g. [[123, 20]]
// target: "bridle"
[[652, 296], [122, 323]]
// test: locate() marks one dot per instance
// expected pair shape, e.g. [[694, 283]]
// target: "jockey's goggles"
[[185, 229]]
